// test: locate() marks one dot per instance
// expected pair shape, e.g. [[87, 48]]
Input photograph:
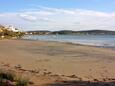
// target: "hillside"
[[70, 32], [10, 32]]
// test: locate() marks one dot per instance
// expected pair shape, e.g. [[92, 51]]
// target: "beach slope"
[[70, 61]]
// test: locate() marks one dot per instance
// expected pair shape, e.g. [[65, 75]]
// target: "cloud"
[[28, 17], [93, 13], [51, 18]]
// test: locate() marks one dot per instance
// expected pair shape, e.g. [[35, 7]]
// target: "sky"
[[58, 14]]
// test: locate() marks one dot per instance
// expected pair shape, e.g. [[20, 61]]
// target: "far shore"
[[67, 60]]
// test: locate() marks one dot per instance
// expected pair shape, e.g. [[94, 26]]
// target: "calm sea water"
[[95, 40]]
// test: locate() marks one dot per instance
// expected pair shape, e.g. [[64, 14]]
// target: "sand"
[[53, 61]]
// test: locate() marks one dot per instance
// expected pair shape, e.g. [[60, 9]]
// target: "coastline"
[[72, 43], [58, 58], [106, 41]]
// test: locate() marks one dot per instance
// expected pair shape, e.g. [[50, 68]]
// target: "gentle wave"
[[94, 40]]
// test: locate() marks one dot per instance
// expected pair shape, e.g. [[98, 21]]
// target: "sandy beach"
[[51, 61]]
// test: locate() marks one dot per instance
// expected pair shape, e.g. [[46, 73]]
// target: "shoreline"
[[72, 43], [62, 59], [83, 40]]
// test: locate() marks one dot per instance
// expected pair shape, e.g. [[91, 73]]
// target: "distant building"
[[11, 28]]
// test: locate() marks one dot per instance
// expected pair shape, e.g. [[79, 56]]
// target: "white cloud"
[[57, 19], [28, 17], [93, 13]]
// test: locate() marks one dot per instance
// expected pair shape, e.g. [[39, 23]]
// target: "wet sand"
[[57, 61]]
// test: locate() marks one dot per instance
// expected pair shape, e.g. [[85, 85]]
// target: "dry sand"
[[59, 60]]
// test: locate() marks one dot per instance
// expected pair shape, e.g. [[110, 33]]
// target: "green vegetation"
[[8, 78], [7, 75], [22, 82], [8, 33]]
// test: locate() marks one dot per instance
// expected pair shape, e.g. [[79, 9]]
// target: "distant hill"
[[70, 32], [10, 32], [38, 32]]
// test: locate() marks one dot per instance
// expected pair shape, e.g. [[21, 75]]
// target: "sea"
[[93, 40]]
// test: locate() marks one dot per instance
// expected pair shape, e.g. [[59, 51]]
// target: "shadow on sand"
[[81, 83]]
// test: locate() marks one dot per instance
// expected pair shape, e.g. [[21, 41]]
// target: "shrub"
[[8, 78], [22, 82], [7, 75]]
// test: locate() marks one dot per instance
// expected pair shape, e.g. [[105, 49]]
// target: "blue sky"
[[98, 5], [58, 14]]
